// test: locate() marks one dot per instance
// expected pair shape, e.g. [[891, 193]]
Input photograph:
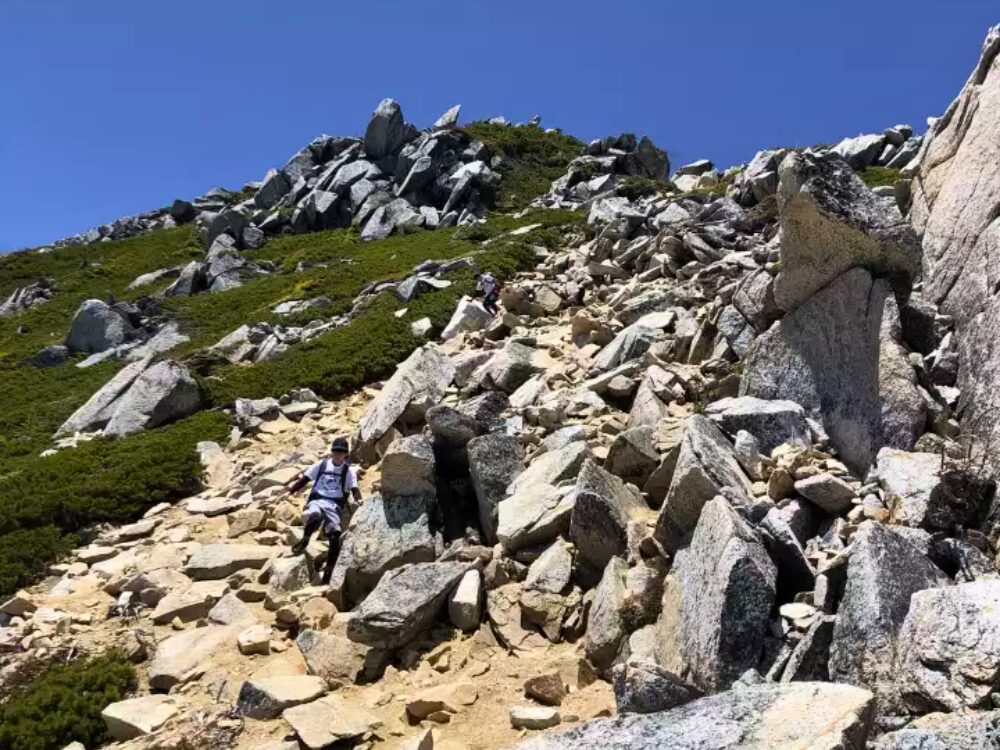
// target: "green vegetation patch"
[[46, 501], [875, 177], [532, 159], [63, 704]]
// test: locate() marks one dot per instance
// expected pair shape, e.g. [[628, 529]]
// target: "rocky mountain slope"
[[719, 476]]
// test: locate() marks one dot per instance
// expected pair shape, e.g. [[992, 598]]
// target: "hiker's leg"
[[333, 537], [313, 520]]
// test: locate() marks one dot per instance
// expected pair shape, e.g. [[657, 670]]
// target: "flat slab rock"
[[328, 720], [759, 717]]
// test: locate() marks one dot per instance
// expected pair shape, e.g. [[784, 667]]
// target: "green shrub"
[[532, 159], [634, 187], [369, 348], [63, 704], [875, 177], [47, 500]]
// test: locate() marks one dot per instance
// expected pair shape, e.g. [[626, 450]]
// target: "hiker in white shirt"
[[334, 479], [487, 284]]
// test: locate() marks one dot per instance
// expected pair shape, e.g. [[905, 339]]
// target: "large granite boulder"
[[771, 423], [386, 132], [792, 716], [187, 655], [495, 460], [408, 467], [836, 356], [955, 194], [99, 408], [418, 383], [385, 533], [266, 697], [338, 660], [966, 731], [706, 465], [921, 489], [96, 327], [948, 657], [883, 573], [601, 525], [831, 222], [716, 602], [163, 393], [606, 627], [404, 602]]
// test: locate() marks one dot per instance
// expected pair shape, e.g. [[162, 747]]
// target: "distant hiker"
[[488, 285], [333, 478]]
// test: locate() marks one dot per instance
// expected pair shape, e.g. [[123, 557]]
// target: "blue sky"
[[111, 107]]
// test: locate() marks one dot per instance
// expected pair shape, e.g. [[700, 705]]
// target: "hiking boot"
[[299, 547]]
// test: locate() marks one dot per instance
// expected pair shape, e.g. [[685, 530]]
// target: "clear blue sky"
[[111, 107]]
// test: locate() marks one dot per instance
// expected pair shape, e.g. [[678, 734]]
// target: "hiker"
[[333, 478], [489, 286]]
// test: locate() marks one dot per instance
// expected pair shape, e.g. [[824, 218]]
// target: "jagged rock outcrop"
[[837, 357], [955, 193], [755, 717], [27, 297]]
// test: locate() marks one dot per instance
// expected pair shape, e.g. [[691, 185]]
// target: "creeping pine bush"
[[63, 704], [875, 177], [532, 159], [44, 501]]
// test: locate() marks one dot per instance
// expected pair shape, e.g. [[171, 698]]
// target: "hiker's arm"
[[356, 494], [297, 484]]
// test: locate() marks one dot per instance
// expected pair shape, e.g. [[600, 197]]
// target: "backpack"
[[343, 477]]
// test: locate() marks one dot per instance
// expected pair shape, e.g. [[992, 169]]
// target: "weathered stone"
[[267, 697], [509, 368], [606, 629], [385, 533], [552, 571], [187, 655], [161, 394], [329, 720], [135, 717], [469, 315], [548, 689], [948, 656], [192, 603], [809, 659], [418, 383], [831, 222], [643, 687], [966, 731], [408, 467], [717, 601], [336, 659], [633, 455], [955, 193], [534, 514], [883, 573], [921, 489], [96, 327], [99, 408], [757, 717], [828, 356], [214, 561], [705, 466], [772, 423], [552, 468], [533, 717], [827, 491], [386, 132], [403, 603], [465, 603], [495, 460], [602, 515]]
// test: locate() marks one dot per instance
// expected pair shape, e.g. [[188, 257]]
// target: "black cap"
[[339, 444]]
